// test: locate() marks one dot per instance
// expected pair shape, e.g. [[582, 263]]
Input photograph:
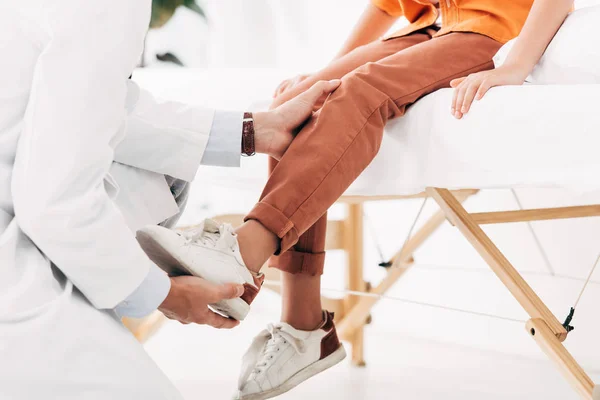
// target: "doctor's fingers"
[[318, 92], [294, 112], [323, 88], [281, 88], [203, 316], [175, 317], [215, 320], [214, 293], [289, 83]]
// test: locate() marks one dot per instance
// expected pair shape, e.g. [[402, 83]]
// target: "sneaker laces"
[[203, 234], [278, 338]]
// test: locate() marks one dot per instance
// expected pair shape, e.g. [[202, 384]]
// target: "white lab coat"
[[82, 157]]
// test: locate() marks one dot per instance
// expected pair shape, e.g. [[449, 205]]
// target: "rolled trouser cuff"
[[298, 262], [276, 222]]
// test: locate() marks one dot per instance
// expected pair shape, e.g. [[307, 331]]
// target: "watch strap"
[[248, 147]]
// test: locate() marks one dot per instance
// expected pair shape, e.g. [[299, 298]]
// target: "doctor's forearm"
[[225, 141], [545, 18]]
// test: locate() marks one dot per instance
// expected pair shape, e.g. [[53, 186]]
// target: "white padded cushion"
[[518, 136], [573, 56]]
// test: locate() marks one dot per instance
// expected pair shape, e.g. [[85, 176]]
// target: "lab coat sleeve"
[[72, 124], [166, 137], [147, 297], [225, 142]]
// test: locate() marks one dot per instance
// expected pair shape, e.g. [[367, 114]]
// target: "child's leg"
[[301, 270], [344, 136], [256, 242], [301, 267], [371, 52], [324, 159], [301, 292], [301, 301]]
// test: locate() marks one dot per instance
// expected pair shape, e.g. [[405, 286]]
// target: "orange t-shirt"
[[501, 20]]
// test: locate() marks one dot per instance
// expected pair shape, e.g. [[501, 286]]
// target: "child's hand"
[[288, 84], [475, 86]]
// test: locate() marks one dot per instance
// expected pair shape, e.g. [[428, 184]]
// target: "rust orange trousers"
[[379, 81]]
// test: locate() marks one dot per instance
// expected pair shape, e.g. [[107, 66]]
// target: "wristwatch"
[[248, 148]]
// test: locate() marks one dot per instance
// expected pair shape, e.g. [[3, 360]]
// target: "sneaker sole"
[[334, 358], [236, 308]]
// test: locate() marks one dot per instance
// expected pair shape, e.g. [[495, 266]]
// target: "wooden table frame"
[[353, 312]]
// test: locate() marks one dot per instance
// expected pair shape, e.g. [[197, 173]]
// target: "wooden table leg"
[[355, 316], [565, 362], [353, 244], [505, 271]]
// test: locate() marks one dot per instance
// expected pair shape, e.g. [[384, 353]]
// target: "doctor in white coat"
[[83, 158]]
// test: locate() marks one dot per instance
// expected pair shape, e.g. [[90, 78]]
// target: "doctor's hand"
[[189, 297], [289, 83], [274, 130], [475, 86]]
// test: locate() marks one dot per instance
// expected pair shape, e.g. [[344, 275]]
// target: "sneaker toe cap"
[[250, 387], [155, 230], [158, 234]]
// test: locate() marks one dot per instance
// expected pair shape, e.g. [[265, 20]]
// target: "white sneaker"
[[209, 251], [281, 357]]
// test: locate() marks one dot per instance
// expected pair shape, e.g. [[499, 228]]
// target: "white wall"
[[259, 33], [288, 34]]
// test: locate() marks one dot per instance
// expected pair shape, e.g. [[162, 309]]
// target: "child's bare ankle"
[[256, 243], [309, 322]]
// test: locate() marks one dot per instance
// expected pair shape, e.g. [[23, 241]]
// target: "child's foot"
[[209, 251], [282, 357]]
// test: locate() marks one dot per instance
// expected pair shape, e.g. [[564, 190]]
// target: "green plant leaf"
[[192, 5], [163, 10], [169, 57]]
